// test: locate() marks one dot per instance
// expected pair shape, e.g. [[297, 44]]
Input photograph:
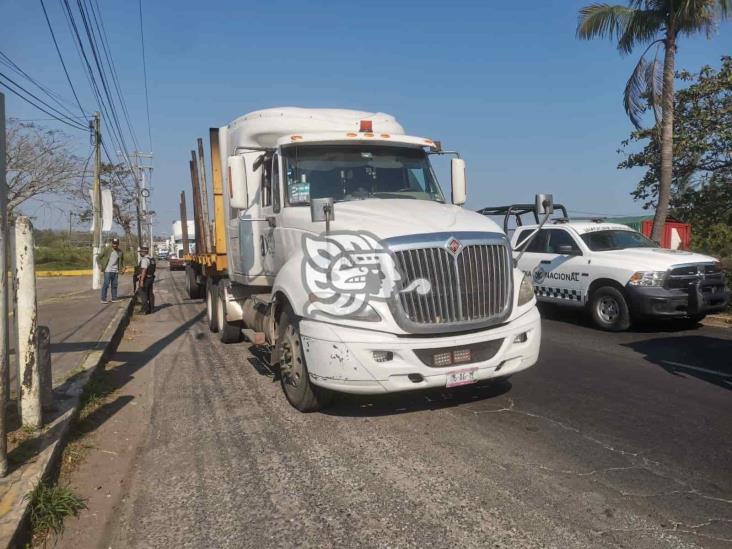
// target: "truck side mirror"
[[544, 204], [459, 183], [237, 179], [321, 209]]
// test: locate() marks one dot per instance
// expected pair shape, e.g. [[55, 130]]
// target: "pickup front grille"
[[473, 286], [682, 276]]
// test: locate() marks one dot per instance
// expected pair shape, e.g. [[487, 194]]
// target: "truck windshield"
[[601, 241], [357, 172]]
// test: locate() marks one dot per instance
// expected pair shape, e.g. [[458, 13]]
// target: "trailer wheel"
[[192, 286], [229, 332], [300, 392], [211, 301], [609, 309]]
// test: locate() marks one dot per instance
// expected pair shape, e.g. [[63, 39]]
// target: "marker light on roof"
[[366, 126]]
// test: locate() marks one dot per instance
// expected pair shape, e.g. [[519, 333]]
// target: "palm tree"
[[653, 23]]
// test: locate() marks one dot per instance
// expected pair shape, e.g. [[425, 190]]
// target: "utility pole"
[[144, 213], [4, 313], [97, 200]]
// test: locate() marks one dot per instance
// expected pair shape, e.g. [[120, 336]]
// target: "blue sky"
[[531, 108]]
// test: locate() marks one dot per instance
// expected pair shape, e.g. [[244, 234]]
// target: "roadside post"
[[29, 393], [4, 312], [45, 376]]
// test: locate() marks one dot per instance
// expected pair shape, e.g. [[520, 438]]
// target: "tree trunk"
[[667, 137]]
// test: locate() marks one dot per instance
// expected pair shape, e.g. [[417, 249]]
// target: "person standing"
[[112, 260], [145, 281]]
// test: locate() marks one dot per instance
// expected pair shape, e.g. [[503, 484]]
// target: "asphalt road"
[[619, 440]]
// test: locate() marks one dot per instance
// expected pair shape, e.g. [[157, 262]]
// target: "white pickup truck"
[[615, 271]]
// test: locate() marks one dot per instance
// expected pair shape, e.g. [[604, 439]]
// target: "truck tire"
[[609, 309], [192, 286], [229, 332], [211, 302], [294, 377]]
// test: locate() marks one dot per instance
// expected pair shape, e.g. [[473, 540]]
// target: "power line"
[[104, 38], [144, 72], [61, 118], [61, 58], [55, 97], [115, 133]]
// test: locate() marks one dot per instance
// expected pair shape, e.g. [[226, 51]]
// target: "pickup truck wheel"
[[211, 299], [294, 376], [229, 332], [609, 309]]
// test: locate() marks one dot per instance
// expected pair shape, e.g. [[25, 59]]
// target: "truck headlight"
[[526, 291], [367, 314], [647, 278]]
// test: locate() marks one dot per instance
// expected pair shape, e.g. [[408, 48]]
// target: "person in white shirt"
[[111, 261], [145, 281]]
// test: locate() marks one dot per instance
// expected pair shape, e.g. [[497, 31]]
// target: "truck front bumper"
[[342, 359], [699, 298]]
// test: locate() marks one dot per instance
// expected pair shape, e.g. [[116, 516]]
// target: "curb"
[[14, 508], [72, 272], [718, 321]]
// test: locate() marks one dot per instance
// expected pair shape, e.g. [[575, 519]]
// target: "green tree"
[[653, 23], [701, 190]]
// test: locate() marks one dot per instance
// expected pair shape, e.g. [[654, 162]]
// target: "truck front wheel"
[[294, 376], [609, 309]]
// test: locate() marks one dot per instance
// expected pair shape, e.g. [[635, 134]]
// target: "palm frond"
[[642, 27], [654, 85], [603, 20], [634, 95]]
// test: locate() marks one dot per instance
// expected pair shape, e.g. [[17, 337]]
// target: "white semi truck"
[[334, 244], [176, 248]]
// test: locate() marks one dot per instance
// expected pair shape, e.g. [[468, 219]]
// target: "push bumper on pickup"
[[353, 360], [698, 298]]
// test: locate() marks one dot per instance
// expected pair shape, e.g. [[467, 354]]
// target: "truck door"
[[251, 223], [271, 204], [554, 262]]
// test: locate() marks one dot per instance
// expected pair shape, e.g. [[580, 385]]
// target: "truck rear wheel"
[[609, 309], [300, 392], [211, 302], [192, 286], [229, 332]]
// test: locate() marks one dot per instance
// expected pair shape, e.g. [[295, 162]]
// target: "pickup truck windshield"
[[601, 241], [357, 172]]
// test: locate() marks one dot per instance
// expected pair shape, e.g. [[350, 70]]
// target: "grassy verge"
[[52, 503]]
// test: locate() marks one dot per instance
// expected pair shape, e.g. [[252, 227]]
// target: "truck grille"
[[679, 278], [472, 286]]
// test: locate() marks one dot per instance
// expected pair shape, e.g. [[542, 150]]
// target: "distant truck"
[[334, 244], [614, 271], [177, 253]]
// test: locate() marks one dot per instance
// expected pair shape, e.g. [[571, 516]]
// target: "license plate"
[[461, 377]]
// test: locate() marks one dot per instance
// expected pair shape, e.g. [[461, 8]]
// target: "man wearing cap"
[[112, 261], [145, 280]]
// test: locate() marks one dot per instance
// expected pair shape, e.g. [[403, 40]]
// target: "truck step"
[[254, 337]]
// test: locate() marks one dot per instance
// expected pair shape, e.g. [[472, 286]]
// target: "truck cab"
[[617, 273], [344, 253]]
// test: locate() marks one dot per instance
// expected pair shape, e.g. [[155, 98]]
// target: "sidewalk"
[[73, 312], [83, 331]]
